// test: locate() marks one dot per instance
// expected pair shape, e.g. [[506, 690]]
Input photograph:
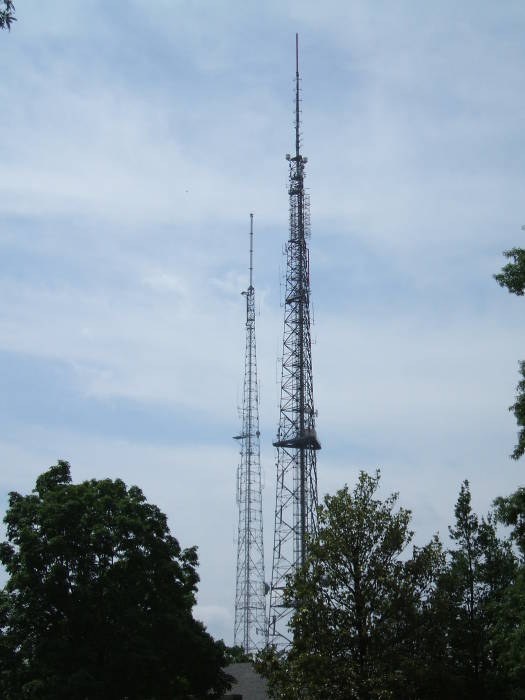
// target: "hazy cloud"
[[135, 145]]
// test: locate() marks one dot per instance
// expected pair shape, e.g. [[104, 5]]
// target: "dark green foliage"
[[518, 408], [511, 511], [508, 638], [99, 598], [509, 631], [481, 567], [359, 604], [7, 15], [512, 275], [372, 623], [236, 655]]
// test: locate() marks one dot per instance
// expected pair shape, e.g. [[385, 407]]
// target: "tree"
[[236, 655], [511, 511], [508, 636], [7, 16], [358, 604], [518, 408], [509, 630], [99, 599], [480, 569], [512, 276]]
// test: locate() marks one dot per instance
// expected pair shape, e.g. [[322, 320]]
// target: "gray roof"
[[250, 685]]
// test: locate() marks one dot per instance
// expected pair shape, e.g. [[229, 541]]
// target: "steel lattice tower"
[[250, 608], [297, 443]]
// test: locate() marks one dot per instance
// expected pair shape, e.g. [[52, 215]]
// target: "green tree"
[[518, 408], [7, 15], [509, 630], [512, 276], [511, 512], [508, 636], [358, 604], [480, 569], [236, 655], [99, 599]]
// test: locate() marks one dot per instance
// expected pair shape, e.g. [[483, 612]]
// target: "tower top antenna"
[[297, 114], [251, 251]]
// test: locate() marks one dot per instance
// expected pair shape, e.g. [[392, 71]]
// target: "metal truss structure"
[[297, 443], [250, 608]]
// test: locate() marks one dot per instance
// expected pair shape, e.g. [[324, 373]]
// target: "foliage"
[[518, 408], [372, 623], [480, 569], [236, 655], [512, 276], [509, 629], [99, 598], [358, 603], [7, 15], [508, 638], [511, 511]]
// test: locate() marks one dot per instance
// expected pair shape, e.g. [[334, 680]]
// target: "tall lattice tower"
[[297, 443], [250, 609]]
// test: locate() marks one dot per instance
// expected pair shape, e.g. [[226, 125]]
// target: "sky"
[[136, 138]]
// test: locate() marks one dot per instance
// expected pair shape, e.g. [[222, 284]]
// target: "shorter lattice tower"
[[250, 614]]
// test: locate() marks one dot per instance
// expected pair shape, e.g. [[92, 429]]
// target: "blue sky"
[[136, 140]]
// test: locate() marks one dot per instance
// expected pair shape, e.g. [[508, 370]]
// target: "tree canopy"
[[356, 602], [512, 276], [511, 512], [374, 620], [480, 569], [509, 628], [99, 599], [7, 15]]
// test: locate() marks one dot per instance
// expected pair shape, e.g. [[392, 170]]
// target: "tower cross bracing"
[[250, 609], [297, 442]]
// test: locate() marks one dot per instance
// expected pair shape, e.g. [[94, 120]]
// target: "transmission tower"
[[297, 443], [250, 608]]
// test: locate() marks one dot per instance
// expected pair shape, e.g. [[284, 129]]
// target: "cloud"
[[218, 617], [136, 144], [164, 281]]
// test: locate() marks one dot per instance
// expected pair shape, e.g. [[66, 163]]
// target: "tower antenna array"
[[250, 609], [296, 443]]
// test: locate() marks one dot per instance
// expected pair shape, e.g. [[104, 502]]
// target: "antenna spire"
[[297, 112], [251, 251]]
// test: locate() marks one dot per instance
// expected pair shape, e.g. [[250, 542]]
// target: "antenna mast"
[[297, 443], [250, 609]]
